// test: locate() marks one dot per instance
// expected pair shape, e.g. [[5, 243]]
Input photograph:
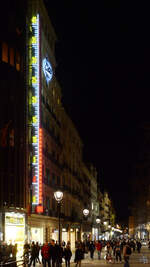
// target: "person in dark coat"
[[33, 254], [53, 254], [92, 249], [37, 251], [59, 255], [79, 256], [139, 245], [67, 254]]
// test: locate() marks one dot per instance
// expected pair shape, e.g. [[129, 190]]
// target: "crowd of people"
[[51, 254], [8, 251]]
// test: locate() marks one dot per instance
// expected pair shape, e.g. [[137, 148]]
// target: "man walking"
[[99, 249], [46, 255], [126, 254]]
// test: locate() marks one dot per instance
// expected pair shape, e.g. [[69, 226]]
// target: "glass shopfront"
[[36, 234], [15, 230]]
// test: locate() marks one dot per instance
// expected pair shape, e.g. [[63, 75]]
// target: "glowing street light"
[[98, 220], [58, 196], [85, 212]]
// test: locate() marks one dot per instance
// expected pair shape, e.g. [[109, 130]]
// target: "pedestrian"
[[78, 255], [52, 253], [46, 254], [99, 249], [139, 245], [126, 254], [118, 252], [67, 254], [91, 249], [14, 252], [37, 251], [26, 251], [108, 249], [59, 255], [33, 254], [63, 243]]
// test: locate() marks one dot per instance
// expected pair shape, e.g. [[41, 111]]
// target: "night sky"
[[103, 56]]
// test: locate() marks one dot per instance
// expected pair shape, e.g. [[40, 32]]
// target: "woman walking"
[[79, 256], [67, 254]]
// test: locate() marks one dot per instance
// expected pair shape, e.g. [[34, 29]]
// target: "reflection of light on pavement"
[[144, 259]]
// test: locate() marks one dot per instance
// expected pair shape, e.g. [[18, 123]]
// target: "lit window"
[[11, 56], [5, 52], [92, 206], [17, 61]]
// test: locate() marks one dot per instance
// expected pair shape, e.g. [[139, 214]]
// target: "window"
[[17, 61], [48, 176], [5, 52], [53, 179], [11, 54], [92, 206], [47, 203], [58, 180]]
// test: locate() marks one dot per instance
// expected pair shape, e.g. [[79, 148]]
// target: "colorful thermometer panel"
[[36, 131]]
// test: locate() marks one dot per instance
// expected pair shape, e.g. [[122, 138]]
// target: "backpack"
[[45, 252], [128, 250]]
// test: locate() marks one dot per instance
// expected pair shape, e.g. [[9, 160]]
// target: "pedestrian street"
[[136, 260]]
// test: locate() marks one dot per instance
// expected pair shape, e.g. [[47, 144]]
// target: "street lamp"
[[58, 196], [85, 212], [98, 220]]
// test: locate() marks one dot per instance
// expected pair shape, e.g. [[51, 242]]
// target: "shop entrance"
[[72, 239], [36, 235], [15, 230], [65, 236]]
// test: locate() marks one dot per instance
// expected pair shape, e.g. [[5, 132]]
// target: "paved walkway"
[[136, 259]]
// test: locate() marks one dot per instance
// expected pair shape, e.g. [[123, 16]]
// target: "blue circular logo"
[[47, 69]]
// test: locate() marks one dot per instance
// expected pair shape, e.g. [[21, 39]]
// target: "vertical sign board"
[[36, 131]]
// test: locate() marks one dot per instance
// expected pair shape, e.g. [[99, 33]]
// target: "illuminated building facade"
[[12, 122], [44, 146], [40, 148]]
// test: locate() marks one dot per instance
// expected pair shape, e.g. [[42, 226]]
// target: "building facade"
[[12, 122], [40, 148]]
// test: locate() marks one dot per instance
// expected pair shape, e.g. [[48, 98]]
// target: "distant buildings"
[[40, 148]]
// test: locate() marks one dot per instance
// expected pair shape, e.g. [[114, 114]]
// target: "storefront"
[[36, 235], [65, 235], [86, 232], [72, 238], [55, 234], [95, 234], [15, 229]]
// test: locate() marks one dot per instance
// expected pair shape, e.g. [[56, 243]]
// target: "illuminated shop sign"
[[47, 69], [36, 131], [14, 219]]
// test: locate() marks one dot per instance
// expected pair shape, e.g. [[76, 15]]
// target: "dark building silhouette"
[[12, 109], [140, 185]]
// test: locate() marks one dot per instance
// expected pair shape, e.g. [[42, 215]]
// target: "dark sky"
[[103, 58]]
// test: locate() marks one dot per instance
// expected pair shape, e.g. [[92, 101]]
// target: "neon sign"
[[36, 131], [47, 69]]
